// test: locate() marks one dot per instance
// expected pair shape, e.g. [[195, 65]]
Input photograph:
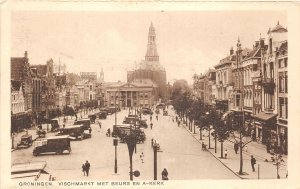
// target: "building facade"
[[224, 82], [134, 94]]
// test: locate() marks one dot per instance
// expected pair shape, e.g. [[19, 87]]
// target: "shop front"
[[266, 129]]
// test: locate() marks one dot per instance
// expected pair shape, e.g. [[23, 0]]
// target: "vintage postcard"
[[149, 94]]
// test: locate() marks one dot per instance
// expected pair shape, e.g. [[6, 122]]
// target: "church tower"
[[101, 75], [151, 54]]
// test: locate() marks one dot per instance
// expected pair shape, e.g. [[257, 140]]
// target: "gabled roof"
[[41, 69], [17, 68], [255, 53], [15, 85], [283, 49]]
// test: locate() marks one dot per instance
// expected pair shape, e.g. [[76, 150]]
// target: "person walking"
[[253, 162], [142, 157], [226, 153], [150, 117], [152, 142], [151, 125], [83, 169], [99, 123], [157, 117], [164, 174], [90, 130], [236, 147], [178, 123], [87, 168]]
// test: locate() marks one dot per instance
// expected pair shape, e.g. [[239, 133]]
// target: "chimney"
[[231, 51]]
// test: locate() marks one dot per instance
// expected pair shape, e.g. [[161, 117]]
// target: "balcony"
[[268, 85]]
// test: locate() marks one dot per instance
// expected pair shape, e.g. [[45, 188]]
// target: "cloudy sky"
[[187, 42]]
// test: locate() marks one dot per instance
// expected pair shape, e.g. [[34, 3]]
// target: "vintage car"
[[74, 131], [85, 122], [122, 131], [54, 124], [56, 144], [32, 171], [102, 114], [135, 120], [146, 111], [93, 118], [26, 141]]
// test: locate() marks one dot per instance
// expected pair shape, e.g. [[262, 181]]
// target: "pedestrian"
[[142, 157], [99, 123], [87, 168], [157, 117], [164, 174], [225, 153], [151, 125], [150, 117], [90, 130], [83, 169], [253, 162], [178, 123], [176, 118], [152, 142], [108, 132], [236, 147]]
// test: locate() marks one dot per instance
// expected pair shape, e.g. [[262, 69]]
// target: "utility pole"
[[155, 161]]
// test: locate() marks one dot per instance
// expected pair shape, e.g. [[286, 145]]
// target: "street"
[[180, 154]]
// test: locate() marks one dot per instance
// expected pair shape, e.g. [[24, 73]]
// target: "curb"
[[215, 156]]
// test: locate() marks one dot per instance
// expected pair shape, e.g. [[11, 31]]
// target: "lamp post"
[[155, 161], [207, 113], [131, 141], [116, 164]]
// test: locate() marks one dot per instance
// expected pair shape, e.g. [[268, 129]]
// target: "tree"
[[222, 130]]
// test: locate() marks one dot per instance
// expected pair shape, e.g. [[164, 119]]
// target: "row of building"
[[40, 92], [255, 81]]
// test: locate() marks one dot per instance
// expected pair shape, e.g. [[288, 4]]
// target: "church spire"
[[151, 54]]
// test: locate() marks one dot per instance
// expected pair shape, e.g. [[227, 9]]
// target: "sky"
[[188, 42]]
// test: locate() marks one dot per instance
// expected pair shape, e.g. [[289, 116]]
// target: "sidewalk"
[[267, 170]]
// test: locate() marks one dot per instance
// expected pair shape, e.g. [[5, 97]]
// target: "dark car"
[[57, 144], [147, 111], [75, 131], [92, 118], [102, 115], [26, 141], [85, 122]]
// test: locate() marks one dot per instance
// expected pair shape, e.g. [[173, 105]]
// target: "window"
[[285, 62], [281, 82], [91, 87], [282, 108], [286, 82]]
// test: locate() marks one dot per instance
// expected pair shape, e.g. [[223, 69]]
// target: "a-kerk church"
[[146, 84]]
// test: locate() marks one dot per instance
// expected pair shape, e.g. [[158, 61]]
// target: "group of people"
[[86, 168]]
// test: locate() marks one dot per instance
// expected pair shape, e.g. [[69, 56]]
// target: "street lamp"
[[207, 113], [116, 164], [131, 141]]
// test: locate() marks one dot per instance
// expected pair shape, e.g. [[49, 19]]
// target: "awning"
[[262, 116]]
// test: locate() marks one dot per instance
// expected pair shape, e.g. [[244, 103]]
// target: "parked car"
[[54, 124], [122, 131], [32, 171], [85, 122], [147, 111], [56, 144], [92, 118], [102, 115], [26, 141], [75, 131]]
